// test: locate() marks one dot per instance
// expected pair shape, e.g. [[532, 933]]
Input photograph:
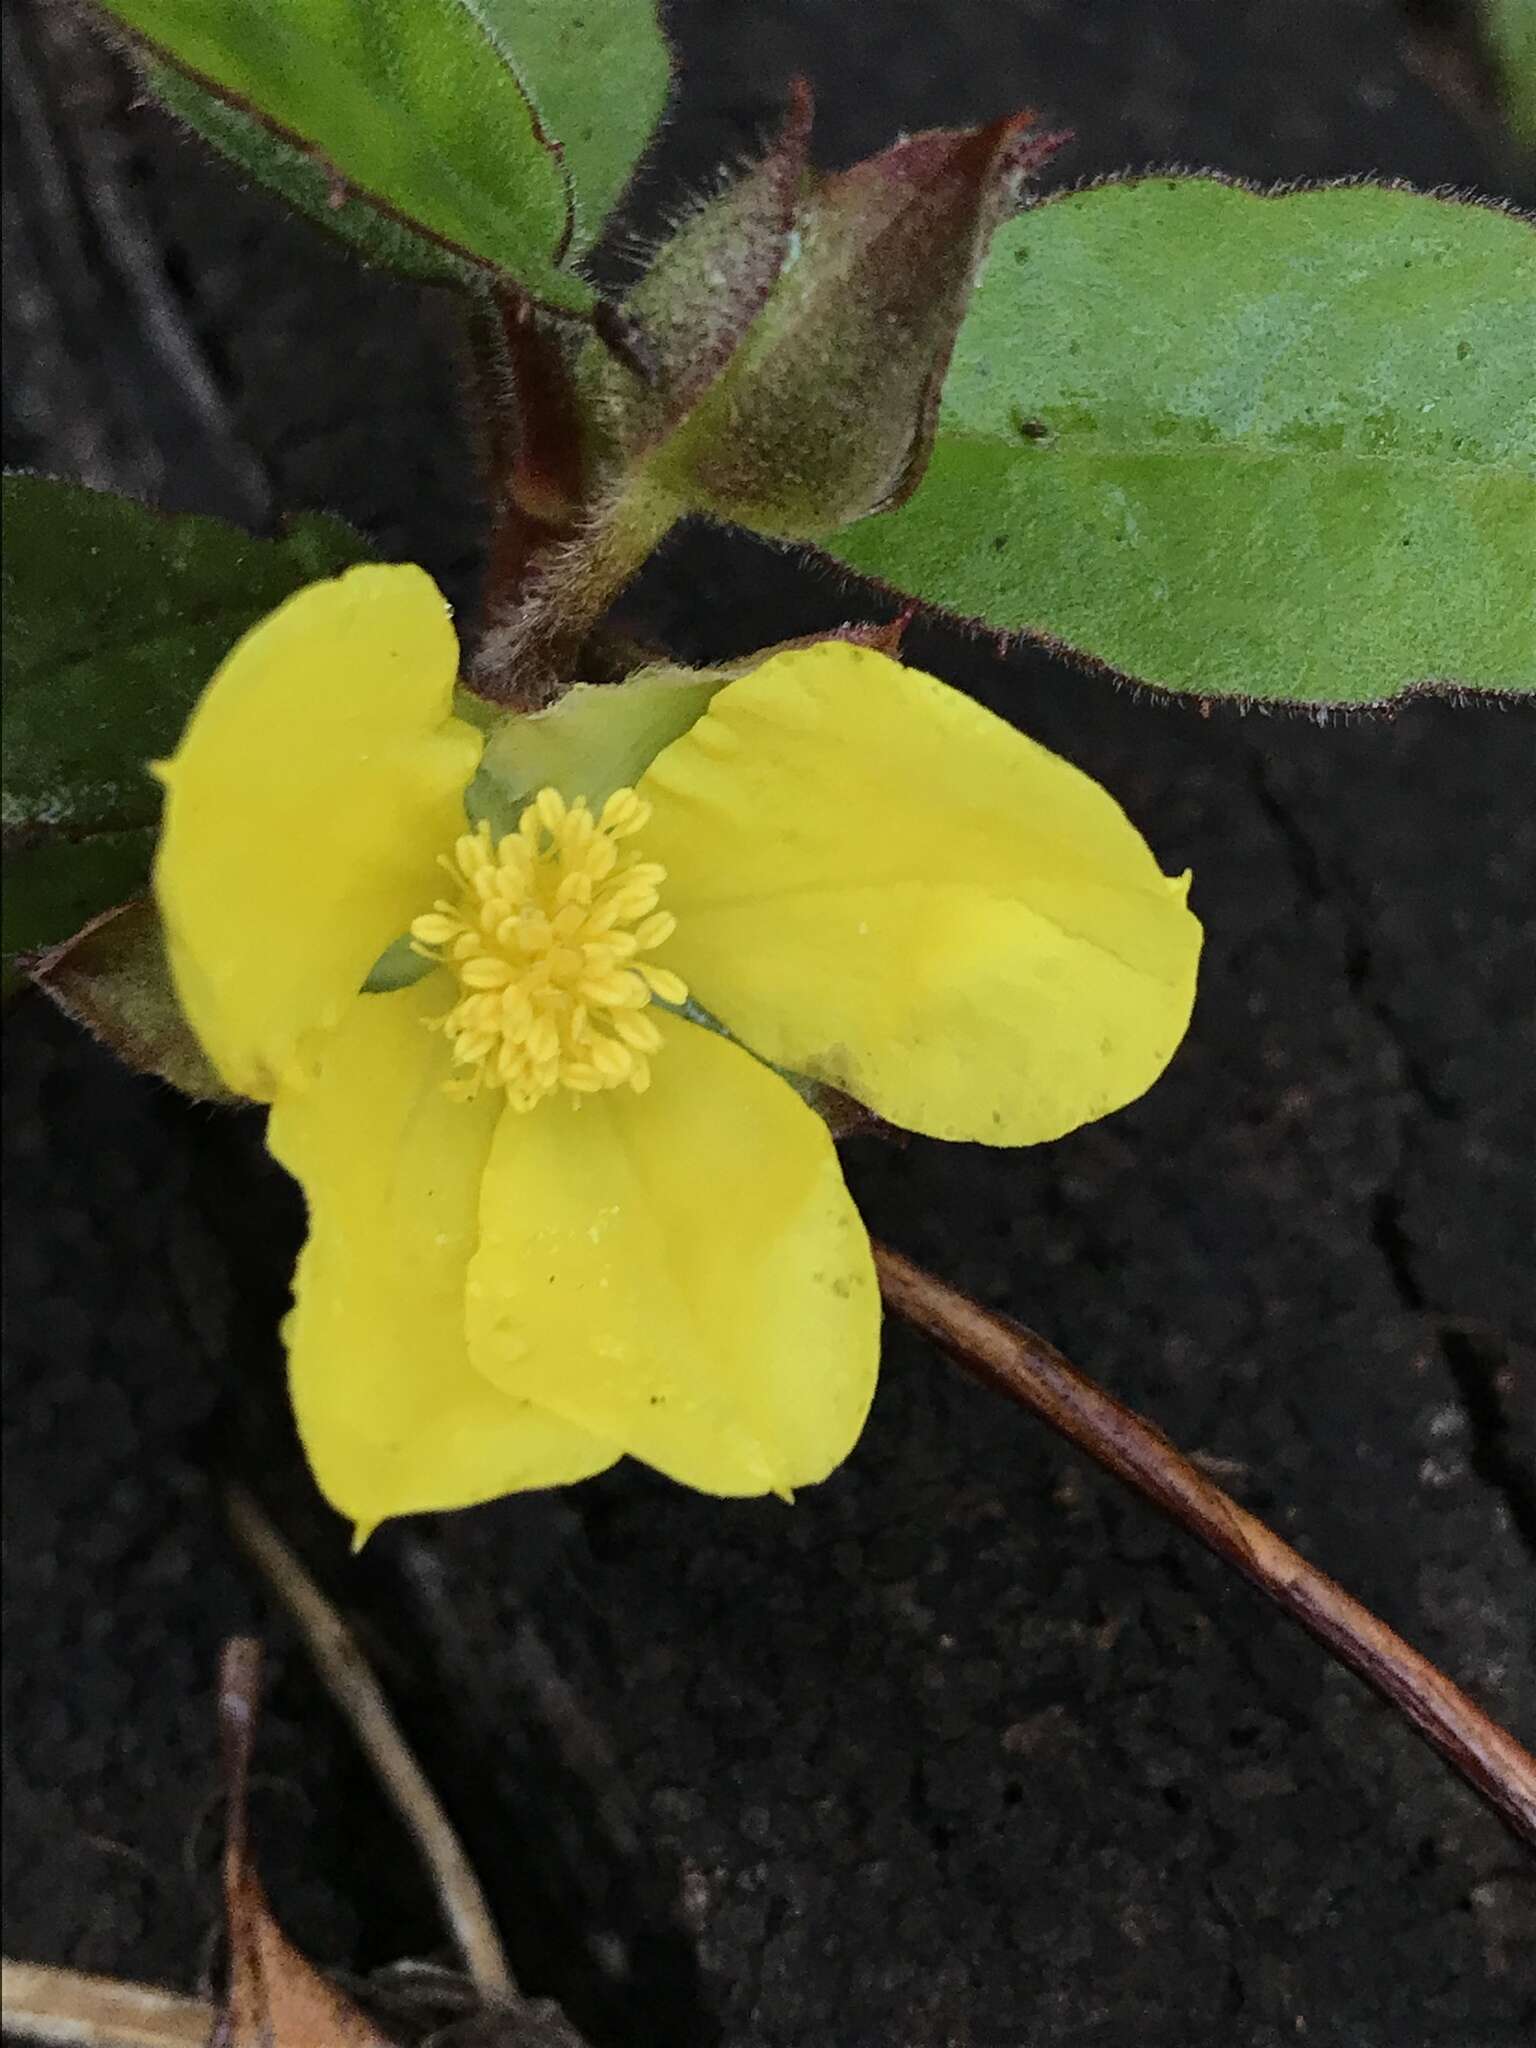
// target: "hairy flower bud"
[[818, 407]]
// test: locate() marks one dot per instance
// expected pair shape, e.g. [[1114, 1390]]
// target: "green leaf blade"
[[1510, 26], [299, 177], [412, 102], [117, 617], [1271, 447], [597, 73], [54, 886]]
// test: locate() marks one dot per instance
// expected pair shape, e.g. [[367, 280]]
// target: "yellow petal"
[[878, 883], [682, 1272], [317, 781], [393, 1417]]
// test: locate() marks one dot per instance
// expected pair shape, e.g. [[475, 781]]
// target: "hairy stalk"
[[529, 435], [561, 546], [530, 648], [1003, 1354]]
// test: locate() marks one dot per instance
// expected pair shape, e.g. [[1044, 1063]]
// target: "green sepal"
[[597, 738], [398, 966], [710, 281], [115, 979]]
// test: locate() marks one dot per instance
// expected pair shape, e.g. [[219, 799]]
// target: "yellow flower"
[[554, 1217]]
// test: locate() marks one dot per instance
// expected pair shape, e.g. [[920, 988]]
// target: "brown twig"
[[345, 1674], [68, 2009], [1003, 1354]]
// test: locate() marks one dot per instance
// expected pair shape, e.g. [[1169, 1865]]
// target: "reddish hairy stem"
[[529, 652], [547, 471], [560, 549], [1003, 1354], [529, 440]]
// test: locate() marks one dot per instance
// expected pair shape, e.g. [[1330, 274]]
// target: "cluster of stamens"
[[545, 940]]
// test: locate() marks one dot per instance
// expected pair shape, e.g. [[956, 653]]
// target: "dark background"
[[968, 1748]]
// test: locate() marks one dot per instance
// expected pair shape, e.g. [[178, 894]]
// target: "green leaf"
[[55, 886], [115, 979], [116, 617], [597, 74], [413, 104], [1270, 447], [1511, 32], [300, 177]]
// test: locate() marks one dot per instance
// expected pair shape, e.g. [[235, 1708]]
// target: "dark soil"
[[969, 1747]]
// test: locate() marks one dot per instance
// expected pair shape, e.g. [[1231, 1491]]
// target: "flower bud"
[[708, 285], [823, 410]]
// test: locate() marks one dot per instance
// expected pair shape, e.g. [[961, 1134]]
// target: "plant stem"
[[345, 1674], [529, 652], [1003, 1354], [517, 388], [561, 544], [68, 2007]]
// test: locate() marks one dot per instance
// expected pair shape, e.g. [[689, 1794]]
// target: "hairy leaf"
[[597, 73], [412, 107], [305, 180], [1279, 447]]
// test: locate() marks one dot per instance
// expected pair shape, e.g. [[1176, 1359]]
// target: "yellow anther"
[[664, 984], [543, 941]]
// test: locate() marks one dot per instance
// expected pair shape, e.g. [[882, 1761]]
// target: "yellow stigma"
[[545, 940]]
